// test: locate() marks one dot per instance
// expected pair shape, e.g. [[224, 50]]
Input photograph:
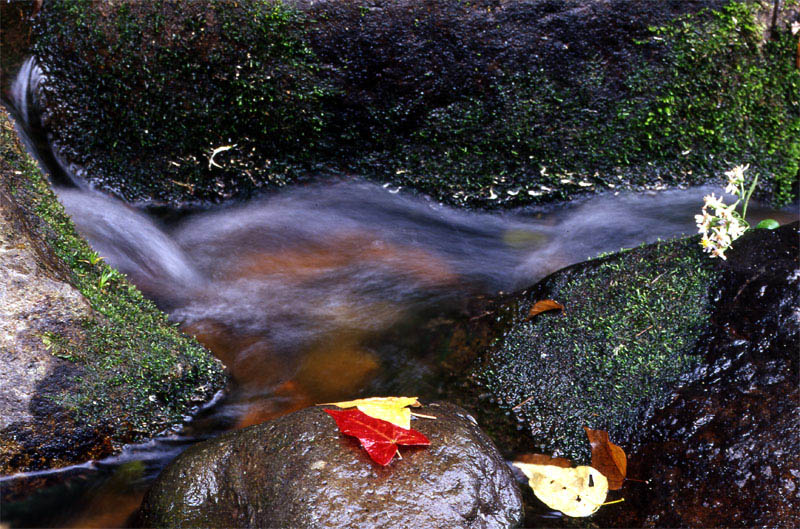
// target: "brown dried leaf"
[[608, 458], [543, 459], [543, 306]]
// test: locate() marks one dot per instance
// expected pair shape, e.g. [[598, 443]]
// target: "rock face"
[[299, 471], [38, 306], [481, 103], [703, 397], [725, 452], [87, 363]]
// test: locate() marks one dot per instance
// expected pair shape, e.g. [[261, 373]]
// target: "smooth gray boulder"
[[300, 471]]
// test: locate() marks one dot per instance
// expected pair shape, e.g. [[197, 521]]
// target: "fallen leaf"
[[392, 409], [379, 438], [608, 458], [543, 306], [576, 492], [542, 459]]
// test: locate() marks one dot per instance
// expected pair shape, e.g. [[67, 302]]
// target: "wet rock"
[[480, 103], [725, 452], [38, 308], [87, 363], [15, 37], [712, 426], [299, 471]]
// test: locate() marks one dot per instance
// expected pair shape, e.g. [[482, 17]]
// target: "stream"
[[288, 287]]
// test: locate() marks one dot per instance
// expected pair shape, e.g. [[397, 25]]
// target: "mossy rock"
[[623, 342], [480, 103], [90, 363]]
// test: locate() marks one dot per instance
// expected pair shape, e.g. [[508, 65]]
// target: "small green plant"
[[59, 347], [721, 224], [92, 259], [105, 278]]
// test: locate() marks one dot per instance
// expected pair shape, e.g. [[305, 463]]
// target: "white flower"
[[736, 229], [727, 214], [703, 221], [735, 179], [711, 201], [720, 224]]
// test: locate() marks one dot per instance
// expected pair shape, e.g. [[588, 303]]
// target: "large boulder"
[[88, 364], [473, 102], [689, 362], [299, 471]]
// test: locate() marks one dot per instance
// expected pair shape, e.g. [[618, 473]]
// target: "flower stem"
[[747, 197]]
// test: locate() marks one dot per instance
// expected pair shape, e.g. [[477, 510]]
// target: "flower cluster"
[[721, 224]]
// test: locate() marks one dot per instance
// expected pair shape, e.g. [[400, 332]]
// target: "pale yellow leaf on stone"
[[399, 416], [576, 492], [390, 409]]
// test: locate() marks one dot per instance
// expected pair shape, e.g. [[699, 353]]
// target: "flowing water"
[[288, 288]]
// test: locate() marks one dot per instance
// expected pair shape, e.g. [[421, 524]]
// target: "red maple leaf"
[[379, 438]]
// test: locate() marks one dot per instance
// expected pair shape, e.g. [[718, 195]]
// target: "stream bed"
[[290, 288]]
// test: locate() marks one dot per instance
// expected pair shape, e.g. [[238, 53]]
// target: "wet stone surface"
[[38, 309], [299, 471], [80, 358], [458, 100], [726, 450], [718, 445]]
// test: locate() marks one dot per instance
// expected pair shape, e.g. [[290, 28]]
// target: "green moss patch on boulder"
[[479, 104], [623, 342], [123, 372]]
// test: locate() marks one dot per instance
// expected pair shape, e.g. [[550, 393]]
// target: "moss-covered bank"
[[130, 375], [479, 103]]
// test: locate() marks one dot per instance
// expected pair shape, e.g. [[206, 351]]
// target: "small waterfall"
[[25, 85], [24, 95]]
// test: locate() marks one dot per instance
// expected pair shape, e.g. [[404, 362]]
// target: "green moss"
[[140, 374], [709, 96], [169, 82], [624, 340], [178, 80], [722, 95]]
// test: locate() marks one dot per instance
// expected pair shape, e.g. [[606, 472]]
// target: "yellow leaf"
[[399, 416], [391, 409], [576, 492]]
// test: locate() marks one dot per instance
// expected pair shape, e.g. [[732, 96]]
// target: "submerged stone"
[[88, 364], [299, 471]]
